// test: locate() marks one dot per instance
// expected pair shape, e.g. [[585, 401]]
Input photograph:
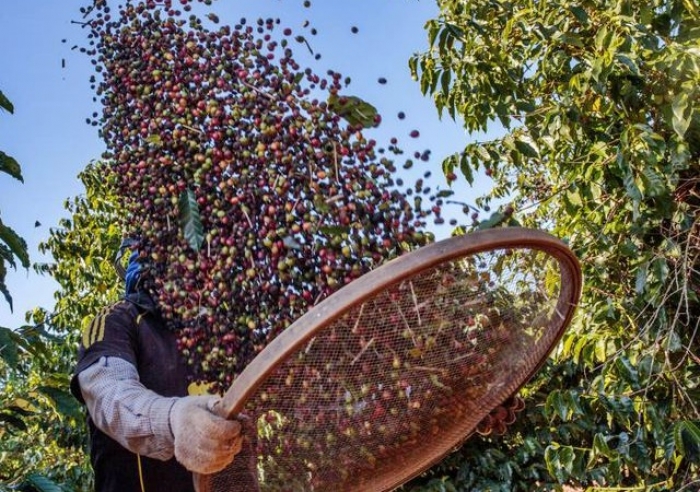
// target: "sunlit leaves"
[[84, 247], [599, 142], [44, 434]]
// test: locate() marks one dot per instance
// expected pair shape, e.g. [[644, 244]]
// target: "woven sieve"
[[388, 375]]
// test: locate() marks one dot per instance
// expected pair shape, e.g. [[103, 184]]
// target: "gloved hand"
[[204, 442]]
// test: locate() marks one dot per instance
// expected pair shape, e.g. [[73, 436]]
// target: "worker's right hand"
[[205, 443]]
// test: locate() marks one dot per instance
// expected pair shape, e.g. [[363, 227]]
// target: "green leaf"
[[566, 458], [555, 466], [466, 169], [3, 288], [653, 182], [10, 166], [333, 230], [63, 402], [13, 421], [9, 350], [573, 197], [155, 139], [602, 39], [580, 14], [433, 27], [631, 187], [496, 219], [628, 371], [354, 110], [601, 352], [629, 63], [6, 104], [556, 405], [600, 446], [527, 147], [687, 438], [445, 80], [641, 278], [16, 244], [6, 255], [413, 67], [681, 115], [448, 163], [42, 483], [190, 220], [572, 39]]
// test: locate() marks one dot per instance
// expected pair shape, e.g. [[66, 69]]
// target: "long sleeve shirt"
[[127, 411]]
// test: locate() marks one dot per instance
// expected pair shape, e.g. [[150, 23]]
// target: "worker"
[[146, 432]]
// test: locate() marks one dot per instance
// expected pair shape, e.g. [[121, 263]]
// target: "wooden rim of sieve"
[[297, 335]]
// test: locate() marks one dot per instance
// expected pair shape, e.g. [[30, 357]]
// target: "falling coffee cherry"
[[239, 179], [415, 134], [382, 80]]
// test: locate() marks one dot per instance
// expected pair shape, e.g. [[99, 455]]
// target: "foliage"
[[12, 246], [38, 416], [598, 100], [42, 427], [83, 248], [33, 403]]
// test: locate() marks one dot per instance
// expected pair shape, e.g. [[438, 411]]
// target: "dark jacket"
[[133, 331]]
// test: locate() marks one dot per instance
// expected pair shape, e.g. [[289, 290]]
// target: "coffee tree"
[[598, 106], [43, 432]]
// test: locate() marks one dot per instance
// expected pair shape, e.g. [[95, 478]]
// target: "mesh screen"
[[397, 382]]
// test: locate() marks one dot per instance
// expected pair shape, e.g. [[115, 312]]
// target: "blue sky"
[[48, 83]]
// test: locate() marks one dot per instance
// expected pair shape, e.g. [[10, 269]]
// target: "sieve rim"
[[299, 333]]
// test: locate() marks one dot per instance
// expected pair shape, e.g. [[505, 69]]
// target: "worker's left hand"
[[205, 443]]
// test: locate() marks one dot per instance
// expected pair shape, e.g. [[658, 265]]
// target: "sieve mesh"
[[397, 381]]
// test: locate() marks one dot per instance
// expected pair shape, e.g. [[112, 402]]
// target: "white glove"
[[204, 442]]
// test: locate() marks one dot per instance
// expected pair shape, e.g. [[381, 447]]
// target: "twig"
[[192, 129], [335, 162], [364, 349], [359, 317], [255, 89], [415, 303], [438, 370], [250, 222], [334, 198], [406, 323]]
